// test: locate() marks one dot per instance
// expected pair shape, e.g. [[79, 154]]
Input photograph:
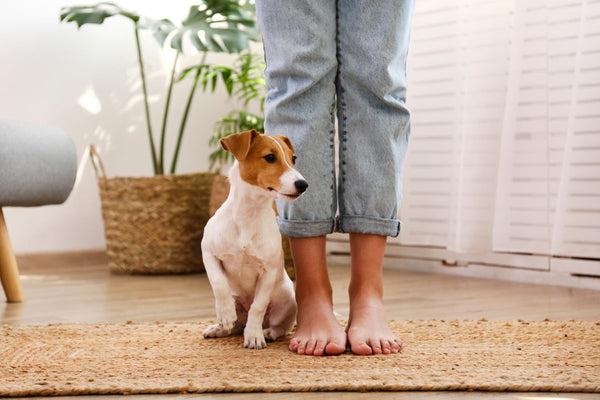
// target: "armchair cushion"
[[38, 165]]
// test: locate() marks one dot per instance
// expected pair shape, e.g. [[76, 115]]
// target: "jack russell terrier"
[[241, 247]]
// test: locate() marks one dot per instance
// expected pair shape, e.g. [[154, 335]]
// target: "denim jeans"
[[347, 57]]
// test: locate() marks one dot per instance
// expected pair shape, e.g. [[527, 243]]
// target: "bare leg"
[[368, 330], [318, 331]]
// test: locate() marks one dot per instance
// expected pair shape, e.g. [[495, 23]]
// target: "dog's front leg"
[[253, 333], [224, 302]]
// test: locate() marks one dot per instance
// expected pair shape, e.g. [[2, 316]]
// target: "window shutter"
[[577, 223], [456, 91]]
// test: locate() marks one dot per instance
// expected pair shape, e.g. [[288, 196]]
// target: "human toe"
[[386, 347], [320, 347], [293, 344], [301, 347], [310, 347]]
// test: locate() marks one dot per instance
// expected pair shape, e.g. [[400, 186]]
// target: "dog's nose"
[[301, 185]]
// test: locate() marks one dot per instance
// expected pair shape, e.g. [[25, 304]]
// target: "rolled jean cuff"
[[306, 228], [370, 225]]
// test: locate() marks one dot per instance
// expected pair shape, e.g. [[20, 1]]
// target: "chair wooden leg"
[[9, 272]]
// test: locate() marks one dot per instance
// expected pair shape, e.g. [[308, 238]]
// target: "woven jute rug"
[[173, 357]]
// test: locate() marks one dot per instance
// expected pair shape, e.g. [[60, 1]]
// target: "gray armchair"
[[38, 166]]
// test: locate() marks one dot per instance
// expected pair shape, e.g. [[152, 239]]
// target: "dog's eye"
[[293, 159], [270, 158]]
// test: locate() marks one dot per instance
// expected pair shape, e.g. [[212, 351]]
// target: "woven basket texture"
[[219, 194], [154, 225]]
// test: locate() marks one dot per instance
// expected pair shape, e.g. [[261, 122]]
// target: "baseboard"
[[61, 260], [554, 278]]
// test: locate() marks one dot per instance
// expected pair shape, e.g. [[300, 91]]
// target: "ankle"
[[365, 294], [371, 287], [314, 306], [314, 295]]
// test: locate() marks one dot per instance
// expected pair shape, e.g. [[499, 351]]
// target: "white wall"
[[50, 73]]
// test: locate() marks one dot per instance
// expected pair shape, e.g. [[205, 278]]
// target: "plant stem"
[[146, 106], [185, 116], [184, 122], [166, 115]]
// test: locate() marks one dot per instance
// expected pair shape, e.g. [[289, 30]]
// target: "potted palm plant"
[[154, 224]]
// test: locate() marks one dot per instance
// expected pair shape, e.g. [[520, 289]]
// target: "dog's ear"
[[238, 144], [287, 141]]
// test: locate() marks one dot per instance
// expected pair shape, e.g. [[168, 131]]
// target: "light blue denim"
[[347, 56]]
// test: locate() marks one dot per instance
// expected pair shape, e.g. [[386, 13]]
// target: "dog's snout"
[[301, 185]]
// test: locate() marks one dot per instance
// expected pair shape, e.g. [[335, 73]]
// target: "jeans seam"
[[333, 190], [342, 128]]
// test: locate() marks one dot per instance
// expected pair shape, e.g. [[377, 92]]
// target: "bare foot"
[[318, 331], [368, 330]]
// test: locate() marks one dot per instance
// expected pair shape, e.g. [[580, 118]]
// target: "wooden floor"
[[78, 288]]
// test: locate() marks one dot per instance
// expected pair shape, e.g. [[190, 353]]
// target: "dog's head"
[[267, 162]]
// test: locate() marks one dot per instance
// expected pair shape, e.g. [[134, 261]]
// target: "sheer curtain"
[[505, 146]]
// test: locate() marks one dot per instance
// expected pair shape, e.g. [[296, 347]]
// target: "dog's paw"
[[272, 333], [216, 331], [254, 339], [226, 314]]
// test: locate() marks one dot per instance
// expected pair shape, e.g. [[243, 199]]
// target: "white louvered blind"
[[457, 84], [505, 149], [523, 213], [577, 222]]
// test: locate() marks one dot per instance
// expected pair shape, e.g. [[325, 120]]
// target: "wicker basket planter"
[[154, 225], [219, 194]]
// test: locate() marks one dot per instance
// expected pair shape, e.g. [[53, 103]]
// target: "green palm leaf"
[[217, 26], [160, 28], [94, 14]]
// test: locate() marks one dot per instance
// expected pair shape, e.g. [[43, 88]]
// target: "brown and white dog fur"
[[241, 247]]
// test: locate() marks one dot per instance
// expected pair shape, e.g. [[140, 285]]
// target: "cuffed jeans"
[[349, 57]]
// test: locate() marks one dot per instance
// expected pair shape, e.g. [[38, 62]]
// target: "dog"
[[241, 247]]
